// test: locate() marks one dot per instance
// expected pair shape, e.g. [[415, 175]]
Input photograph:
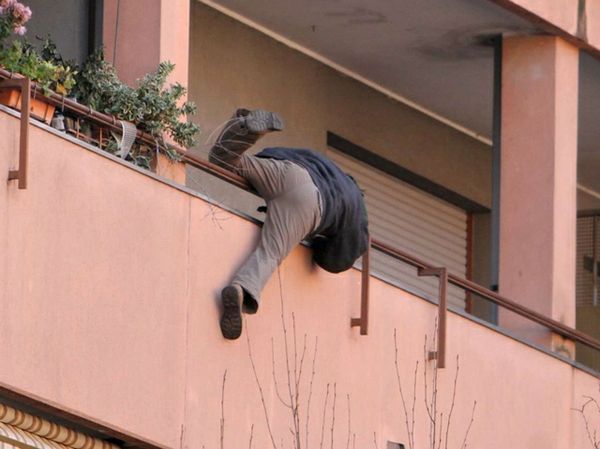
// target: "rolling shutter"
[[24, 431], [414, 221]]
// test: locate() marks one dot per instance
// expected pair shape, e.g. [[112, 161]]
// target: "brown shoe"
[[232, 298], [241, 132]]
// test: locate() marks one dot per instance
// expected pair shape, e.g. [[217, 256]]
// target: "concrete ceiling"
[[435, 53]]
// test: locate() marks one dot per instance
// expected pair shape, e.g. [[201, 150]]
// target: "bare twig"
[[464, 444], [298, 383], [441, 427], [412, 412], [275, 377], [375, 440], [310, 389], [251, 435], [429, 406], [323, 420], [592, 437], [262, 395], [223, 410], [453, 400], [349, 423], [291, 394], [297, 378], [406, 416], [333, 413], [432, 406], [431, 417]]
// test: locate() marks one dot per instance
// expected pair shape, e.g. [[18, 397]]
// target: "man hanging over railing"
[[308, 198]]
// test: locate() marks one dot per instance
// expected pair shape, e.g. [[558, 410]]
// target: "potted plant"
[[151, 106], [21, 57]]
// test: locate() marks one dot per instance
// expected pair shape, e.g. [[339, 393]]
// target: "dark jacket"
[[343, 235]]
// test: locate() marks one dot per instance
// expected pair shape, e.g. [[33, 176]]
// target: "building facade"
[[471, 127]]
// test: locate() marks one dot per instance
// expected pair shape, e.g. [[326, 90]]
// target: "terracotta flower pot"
[[39, 109]]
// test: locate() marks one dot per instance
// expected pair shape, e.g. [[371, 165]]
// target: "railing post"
[[442, 274], [363, 320], [24, 84]]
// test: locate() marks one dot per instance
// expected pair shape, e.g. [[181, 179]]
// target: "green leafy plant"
[[21, 57], [97, 82], [151, 106], [66, 70]]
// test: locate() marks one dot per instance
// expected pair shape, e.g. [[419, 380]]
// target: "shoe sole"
[[231, 321], [260, 122]]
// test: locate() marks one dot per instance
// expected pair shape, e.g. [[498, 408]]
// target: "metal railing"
[[24, 86]]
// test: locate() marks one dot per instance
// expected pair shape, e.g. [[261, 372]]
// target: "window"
[[414, 221]]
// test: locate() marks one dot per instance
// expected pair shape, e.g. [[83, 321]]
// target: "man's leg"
[[240, 132], [293, 212]]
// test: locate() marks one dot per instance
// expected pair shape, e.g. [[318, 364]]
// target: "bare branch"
[[310, 390], [297, 376], [349, 423], [223, 410], [441, 427], [323, 420], [262, 395], [333, 412], [431, 417], [298, 379], [291, 394], [412, 412], [593, 401], [434, 393], [251, 435], [464, 444], [452, 404], [375, 440], [406, 416], [591, 437], [275, 377]]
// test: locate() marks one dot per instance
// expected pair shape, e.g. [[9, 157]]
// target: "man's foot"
[[232, 298], [261, 122], [241, 132]]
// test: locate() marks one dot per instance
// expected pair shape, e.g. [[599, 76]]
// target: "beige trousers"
[[293, 213]]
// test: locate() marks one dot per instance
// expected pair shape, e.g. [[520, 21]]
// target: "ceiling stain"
[[359, 16], [465, 43]]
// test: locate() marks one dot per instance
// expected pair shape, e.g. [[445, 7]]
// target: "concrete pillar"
[[147, 32], [538, 180], [138, 35]]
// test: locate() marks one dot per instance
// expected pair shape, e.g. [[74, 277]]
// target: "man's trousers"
[[293, 214]]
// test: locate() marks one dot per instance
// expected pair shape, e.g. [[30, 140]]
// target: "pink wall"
[[148, 32], [109, 282]]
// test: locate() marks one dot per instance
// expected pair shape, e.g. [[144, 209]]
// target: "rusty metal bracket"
[[442, 275], [24, 84], [363, 320]]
